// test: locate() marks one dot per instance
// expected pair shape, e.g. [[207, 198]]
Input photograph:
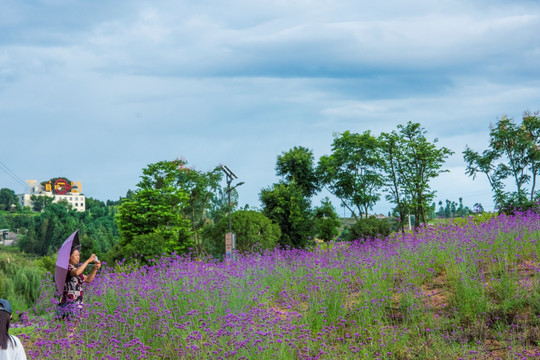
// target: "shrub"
[[252, 229], [141, 249], [477, 219], [326, 221], [511, 206], [47, 263], [368, 228]]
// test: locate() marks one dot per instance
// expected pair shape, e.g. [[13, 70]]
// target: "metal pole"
[[230, 239], [229, 191]]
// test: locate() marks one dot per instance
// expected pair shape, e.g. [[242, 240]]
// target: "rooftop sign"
[[62, 186]]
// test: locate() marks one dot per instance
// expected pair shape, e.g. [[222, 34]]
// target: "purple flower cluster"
[[447, 290]]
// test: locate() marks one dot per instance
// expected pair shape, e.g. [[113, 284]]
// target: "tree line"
[[177, 208], [42, 233]]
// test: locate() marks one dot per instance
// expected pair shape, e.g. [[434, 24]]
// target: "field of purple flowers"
[[468, 291]]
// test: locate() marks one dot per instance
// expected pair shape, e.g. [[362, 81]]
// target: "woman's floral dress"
[[72, 298]]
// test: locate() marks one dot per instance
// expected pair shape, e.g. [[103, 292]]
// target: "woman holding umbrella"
[[71, 301]]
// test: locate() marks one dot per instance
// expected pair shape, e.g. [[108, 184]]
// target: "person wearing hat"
[[11, 347], [72, 297]]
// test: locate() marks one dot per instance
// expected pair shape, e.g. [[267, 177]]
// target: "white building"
[[70, 193]]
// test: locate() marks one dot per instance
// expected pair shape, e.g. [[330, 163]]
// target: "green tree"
[[432, 211], [8, 200], [202, 188], [156, 208], [393, 182], [95, 206], [326, 221], [414, 163], [298, 165], [478, 208], [219, 204], [143, 248], [287, 205], [453, 209], [41, 202], [253, 230], [98, 229], [463, 210], [514, 153], [4, 222], [531, 128], [450, 209], [352, 171]]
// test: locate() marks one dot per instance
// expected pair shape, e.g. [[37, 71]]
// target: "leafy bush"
[[517, 204], [141, 249], [47, 263], [367, 228], [4, 224], [477, 219], [252, 229], [326, 221]]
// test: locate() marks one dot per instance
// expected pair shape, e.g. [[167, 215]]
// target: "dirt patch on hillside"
[[435, 294]]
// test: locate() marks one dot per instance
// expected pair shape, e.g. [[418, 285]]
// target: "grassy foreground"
[[469, 291]]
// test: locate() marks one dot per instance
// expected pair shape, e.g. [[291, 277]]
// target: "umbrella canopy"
[[62, 261]]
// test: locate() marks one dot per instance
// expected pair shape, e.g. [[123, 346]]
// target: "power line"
[[11, 174]]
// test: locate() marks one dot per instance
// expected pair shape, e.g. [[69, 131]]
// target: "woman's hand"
[[94, 271]]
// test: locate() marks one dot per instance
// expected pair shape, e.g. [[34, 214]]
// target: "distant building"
[[7, 237], [60, 190]]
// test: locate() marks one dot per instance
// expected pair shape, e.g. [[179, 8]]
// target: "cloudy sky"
[[96, 90]]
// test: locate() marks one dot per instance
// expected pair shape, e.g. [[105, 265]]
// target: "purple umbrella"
[[62, 261]]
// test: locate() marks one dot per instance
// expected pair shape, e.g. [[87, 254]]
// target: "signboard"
[[230, 245], [62, 186]]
